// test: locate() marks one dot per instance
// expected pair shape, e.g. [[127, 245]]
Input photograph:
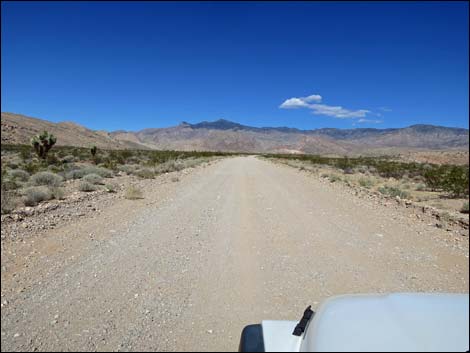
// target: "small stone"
[[210, 331], [16, 335]]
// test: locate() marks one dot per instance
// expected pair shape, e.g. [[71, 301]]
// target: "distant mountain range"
[[224, 135]]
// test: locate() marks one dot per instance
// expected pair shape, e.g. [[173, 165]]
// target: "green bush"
[[46, 178], [456, 181], [36, 194]]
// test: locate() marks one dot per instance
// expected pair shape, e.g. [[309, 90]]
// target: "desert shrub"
[[324, 175], [93, 178], [8, 201], [46, 178], [393, 191], [68, 159], [334, 178], [110, 188], [169, 166], [127, 168], [175, 179], [133, 193], [464, 208], [10, 184], [145, 173], [32, 167], [19, 174], [86, 186], [456, 181], [36, 194], [80, 173], [366, 182], [58, 193], [420, 187]]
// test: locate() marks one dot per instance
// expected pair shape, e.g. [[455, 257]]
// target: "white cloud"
[[301, 102], [312, 98], [370, 121], [322, 109], [293, 103], [337, 112]]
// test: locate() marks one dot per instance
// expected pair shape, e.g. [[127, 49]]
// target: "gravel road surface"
[[188, 266]]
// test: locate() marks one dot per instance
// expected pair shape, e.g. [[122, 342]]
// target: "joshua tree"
[[43, 143], [93, 150]]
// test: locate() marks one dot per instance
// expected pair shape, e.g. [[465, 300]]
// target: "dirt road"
[[231, 244]]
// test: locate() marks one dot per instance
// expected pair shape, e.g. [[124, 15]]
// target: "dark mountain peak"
[[220, 124], [427, 128]]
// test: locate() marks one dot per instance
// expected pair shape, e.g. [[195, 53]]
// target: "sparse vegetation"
[[22, 169], [452, 179], [133, 193]]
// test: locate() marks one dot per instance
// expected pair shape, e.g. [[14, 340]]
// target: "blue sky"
[[132, 65]]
